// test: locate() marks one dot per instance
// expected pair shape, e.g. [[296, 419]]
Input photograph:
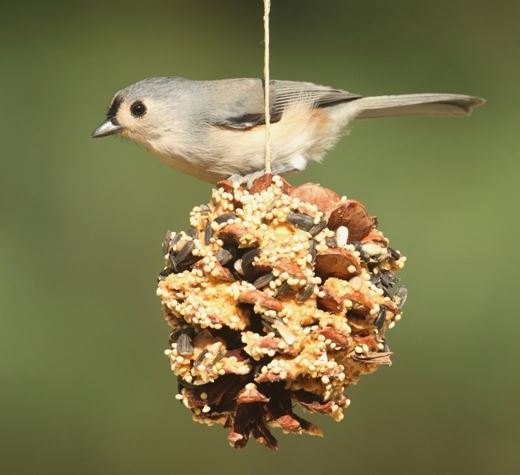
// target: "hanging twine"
[[267, 112]]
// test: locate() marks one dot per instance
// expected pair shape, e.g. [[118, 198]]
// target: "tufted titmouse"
[[215, 129]]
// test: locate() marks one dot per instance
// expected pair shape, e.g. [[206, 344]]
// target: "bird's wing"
[[246, 110]]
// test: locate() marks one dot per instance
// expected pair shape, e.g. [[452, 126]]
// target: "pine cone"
[[276, 295]]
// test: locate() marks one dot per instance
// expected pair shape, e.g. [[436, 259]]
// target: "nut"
[[324, 198], [354, 216]]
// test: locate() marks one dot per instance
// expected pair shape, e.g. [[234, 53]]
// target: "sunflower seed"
[[396, 255], [165, 273], [303, 294], [238, 267], [380, 319], [193, 233], [301, 221], [184, 384], [217, 358], [208, 233], [224, 218], [188, 262], [363, 255], [185, 252], [184, 346], [267, 327], [402, 293], [388, 281], [263, 280], [224, 256], [268, 319], [176, 237], [173, 262], [173, 336], [167, 241], [331, 242], [247, 261], [200, 358], [312, 249], [284, 289], [318, 228], [285, 333]]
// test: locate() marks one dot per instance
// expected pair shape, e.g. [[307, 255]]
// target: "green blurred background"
[[85, 388]]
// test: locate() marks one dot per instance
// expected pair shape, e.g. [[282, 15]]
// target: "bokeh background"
[[84, 385]]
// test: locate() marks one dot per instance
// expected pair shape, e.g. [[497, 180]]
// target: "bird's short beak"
[[108, 127]]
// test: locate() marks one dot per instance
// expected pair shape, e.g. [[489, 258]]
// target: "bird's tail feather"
[[443, 105]]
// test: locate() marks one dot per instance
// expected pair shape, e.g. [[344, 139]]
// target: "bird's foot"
[[276, 170], [247, 180]]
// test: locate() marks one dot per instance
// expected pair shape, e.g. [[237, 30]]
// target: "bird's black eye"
[[138, 109]]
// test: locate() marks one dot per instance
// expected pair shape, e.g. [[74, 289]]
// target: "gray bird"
[[216, 129]]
